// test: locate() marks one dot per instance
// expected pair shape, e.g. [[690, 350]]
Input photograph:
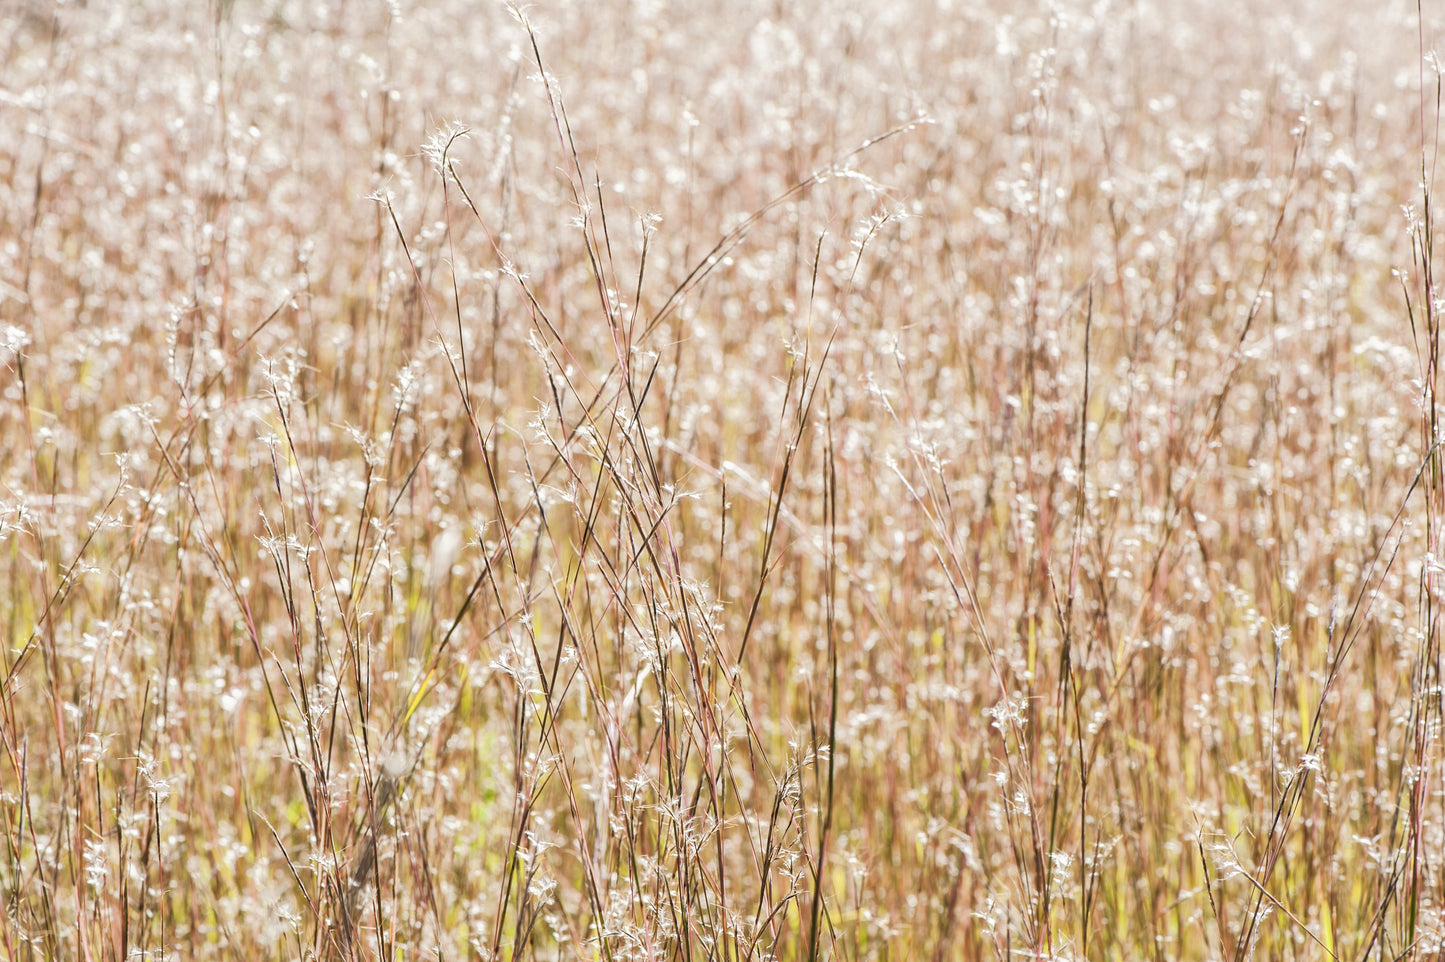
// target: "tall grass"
[[666, 481]]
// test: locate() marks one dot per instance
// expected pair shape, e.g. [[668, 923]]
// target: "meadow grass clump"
[[652, 482]]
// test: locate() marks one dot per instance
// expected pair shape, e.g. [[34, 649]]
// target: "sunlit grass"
[[805, 481]]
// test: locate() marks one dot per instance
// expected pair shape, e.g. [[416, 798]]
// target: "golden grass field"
[[835, 480]]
